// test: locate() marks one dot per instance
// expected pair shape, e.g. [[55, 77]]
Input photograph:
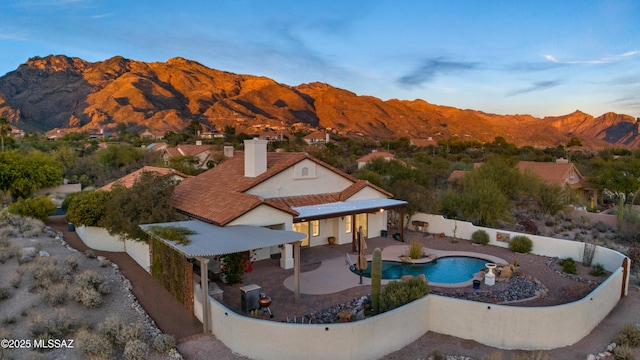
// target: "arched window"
[[305, 171]]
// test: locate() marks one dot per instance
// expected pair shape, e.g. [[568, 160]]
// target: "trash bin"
[[383, 233], [396, 236], [71, 227]]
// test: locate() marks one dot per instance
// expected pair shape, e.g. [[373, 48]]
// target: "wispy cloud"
[[603, 60], [431, 68], [537, 86]]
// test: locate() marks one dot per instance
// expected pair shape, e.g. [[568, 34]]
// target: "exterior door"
[[302, 227]]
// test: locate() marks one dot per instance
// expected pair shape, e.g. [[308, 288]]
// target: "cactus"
[[376, 277]]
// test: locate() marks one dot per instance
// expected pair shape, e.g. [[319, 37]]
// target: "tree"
[[147, 201], [39, 207], [21, 175], [88, 208], [117, 156], [5, 130], [574, 142]]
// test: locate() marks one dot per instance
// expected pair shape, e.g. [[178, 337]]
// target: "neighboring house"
[[17, 133], [58, 133], [129, 179], [423, 142], [159, 146], [317, 138], [285, 191], [152, 134], [363, 161], [202, 152], [100, 134]]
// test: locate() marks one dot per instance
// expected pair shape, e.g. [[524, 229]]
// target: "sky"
[[544, 58]]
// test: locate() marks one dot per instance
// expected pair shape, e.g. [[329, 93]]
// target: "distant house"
[[129, 179], [159, 146], [58, 133], [202, 152], [363, 161], [423, 142], [100, 134], [152, 134], [317, 138], [17, 133]]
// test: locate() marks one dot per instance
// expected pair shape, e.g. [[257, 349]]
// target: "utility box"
[[249, 297]]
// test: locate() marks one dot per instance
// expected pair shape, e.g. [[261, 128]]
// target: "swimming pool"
[[445, 270]]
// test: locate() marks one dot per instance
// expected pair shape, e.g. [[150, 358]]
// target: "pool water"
[[445, 270]]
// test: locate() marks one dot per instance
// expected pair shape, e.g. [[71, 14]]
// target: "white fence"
[[98, 238], [500, 326]]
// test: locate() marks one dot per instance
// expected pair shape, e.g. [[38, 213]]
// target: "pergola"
[[211, 240]]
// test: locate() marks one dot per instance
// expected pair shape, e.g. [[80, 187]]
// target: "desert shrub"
[[110, 327], [529, 226], [136, 350], [130, 332], [163, 343], [629, 336], [56, 295], [16, 279], [38, 207], [623, 352], [480, 237], [398, 293], [4, 293], [51, 326], [521, 244], [437, 355], [568, 266], [415, 250], [71, 262], [89, 287], [90, 254], [634, 254], [94, 346], [46, 272], [8, 250], [598, 270]]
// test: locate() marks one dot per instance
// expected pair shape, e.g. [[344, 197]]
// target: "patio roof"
[[341, 208], [212, 240]]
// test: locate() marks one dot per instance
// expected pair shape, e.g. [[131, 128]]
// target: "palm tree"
[[5, 129]]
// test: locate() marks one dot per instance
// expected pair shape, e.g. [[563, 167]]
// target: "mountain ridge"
[[57, 91]]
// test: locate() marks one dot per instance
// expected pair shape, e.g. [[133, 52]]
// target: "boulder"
[[27, 254]]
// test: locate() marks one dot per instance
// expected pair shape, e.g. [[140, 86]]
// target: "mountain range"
[[66, 92]]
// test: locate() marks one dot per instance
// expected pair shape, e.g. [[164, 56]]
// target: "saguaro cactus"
[[376, 277]]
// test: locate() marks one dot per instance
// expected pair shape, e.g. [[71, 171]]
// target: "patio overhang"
[[211, 240], [343, 208]]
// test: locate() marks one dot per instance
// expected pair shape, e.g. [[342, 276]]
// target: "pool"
[[444, 270]]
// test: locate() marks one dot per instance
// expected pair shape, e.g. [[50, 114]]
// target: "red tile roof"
[[218, 195], [129, 179], [376, 154], [551, 172]]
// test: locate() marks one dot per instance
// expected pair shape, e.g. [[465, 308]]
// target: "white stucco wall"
[[139, 252], [99, 238], [367, 193], [286, 184], [264, 215]]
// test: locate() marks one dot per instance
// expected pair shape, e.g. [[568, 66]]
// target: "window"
[[315, 227], [305, 171], [348, 224]]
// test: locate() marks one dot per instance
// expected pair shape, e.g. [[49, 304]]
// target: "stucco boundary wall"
[[367, 339], [98, 238]]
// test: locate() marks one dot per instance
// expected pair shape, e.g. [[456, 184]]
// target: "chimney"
[[255, 157], [327, 138], [228, 151]]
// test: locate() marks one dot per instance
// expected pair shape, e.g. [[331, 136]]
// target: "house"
[[423, 142], [317, 138], [58, 133], [100, 134], [152, 134], [565, 174], [129, 179], [363, 161], [159, 146], [202, 152], [285, 191]]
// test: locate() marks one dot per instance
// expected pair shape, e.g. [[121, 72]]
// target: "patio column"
[[296, 268], [204, 284]]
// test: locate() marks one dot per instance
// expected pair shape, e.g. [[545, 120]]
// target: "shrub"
[[136, 350], [16, 279], [569, 266], [634, 254], [56, 295], [598, 270], [415, 250], [71, 262], [130, 332], [4, 293], [163, 343], [110, 328], [623, 352], [94, 346], [629, 336], [89, 287], [53, 326], [46, 272], [398, 293], [480, 237], [521, 244], [88, 208], [38, 207]]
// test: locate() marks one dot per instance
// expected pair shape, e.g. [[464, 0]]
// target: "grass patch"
[[177, 234], [569, 266]]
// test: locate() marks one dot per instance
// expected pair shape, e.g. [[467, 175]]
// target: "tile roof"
[[218, 195], [129, 179], [376, 154], [551, 172], [456, 175], [191, 150]]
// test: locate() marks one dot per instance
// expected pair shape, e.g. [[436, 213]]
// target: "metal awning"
[[212, 240], [341, 208]]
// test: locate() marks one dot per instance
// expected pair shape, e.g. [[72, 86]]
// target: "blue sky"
[[544, 58]]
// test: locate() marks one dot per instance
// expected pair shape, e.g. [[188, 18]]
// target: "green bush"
[[163, 343], [398, 293], [569, 266], [521, 244], [480, 237], [38, 207], [415, 249], [598, 270], [88, 208], [629, 336]]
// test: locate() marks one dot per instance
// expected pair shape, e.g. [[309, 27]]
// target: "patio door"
[[361, 220], [302, 227]]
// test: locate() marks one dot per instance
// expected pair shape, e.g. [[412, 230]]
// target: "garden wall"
[[368, 339], [98, 238]]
